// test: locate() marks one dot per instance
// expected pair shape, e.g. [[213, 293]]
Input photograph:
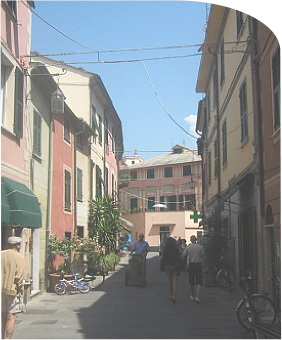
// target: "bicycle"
[[277, 292], [254, 308], [225, 277], [75, 284]]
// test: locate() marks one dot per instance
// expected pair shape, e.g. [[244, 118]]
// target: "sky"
[[155, 99]]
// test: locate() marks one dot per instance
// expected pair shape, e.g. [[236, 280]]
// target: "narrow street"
[[116, 311]]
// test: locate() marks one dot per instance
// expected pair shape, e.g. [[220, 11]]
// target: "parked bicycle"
[[75, 284], [254, 308], [276, 282], [225, 277]]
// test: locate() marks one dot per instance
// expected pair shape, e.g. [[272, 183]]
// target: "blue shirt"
[[140, 248]]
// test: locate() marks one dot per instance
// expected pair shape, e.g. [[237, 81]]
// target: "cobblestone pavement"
[[116, 311]]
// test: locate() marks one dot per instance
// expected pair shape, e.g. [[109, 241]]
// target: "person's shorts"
[[11, 304], [195, 271], [171, 271]]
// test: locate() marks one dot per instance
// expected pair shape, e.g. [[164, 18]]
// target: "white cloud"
[[191, 121]]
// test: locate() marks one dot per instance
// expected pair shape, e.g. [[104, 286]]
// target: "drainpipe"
[[217, 126], [258, 157], [49, 197]]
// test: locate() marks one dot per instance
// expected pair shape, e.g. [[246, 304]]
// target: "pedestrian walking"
[[12, 275], [162, 245], [195, 254], [172, 263]]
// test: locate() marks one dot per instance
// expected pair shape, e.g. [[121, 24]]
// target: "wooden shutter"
[[37, 133], [67, 190], [79, 194], [276, 87], [18, 111]]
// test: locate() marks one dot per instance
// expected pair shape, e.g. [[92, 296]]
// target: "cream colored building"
[[87, 97], [228, 122]]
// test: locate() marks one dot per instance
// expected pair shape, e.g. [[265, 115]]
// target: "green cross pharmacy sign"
[[195, 216]]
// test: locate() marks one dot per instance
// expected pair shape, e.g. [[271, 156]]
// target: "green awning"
[[220, 206], [5, 208], [24, 205]]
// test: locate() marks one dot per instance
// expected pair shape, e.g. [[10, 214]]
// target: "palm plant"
[[104, 222]]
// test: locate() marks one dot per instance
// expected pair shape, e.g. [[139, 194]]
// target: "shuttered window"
[[243, 112], [67, 190], [37, 121], [98, 181], [276, 87], [224, 143], [79, 193], [18, 113]]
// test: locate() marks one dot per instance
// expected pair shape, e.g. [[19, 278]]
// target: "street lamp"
[[192, 183], [57, 101]]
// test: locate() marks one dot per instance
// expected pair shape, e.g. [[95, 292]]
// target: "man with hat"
[[12, 274]]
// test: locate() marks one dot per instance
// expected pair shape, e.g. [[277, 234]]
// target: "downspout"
[[49, 198], [75, 179], [217, 126], [258, 157]]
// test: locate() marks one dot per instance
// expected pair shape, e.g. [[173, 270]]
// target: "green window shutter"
[[18, 111], [67, 190], [98, 181], [79, 194], [276, 87], [37, 133]]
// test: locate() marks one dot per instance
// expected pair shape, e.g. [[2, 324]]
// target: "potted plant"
[[215, 244], [60, 259]]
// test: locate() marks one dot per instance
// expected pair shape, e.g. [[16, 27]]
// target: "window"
[[80, 231], [18, 113], [94, 120], [67, 190], [106, 127], [79, 190], [150, 173], [133, 174], [215, 88], [168, 172], [79, 141], [151, 202], [37, 121], [243, 112], [224, 143], [67, 130], [239, 22], [187, 170], [276, 87], [92, 167], [100, 130], [113, 141], [187, 202], [98, 181], [222, 67], [133, 204]]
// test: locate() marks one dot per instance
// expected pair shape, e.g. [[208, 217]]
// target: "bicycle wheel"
[[83, 287], [221, 279], [263, 309], [60, 289]]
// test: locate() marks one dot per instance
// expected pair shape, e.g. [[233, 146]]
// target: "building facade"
[[21, 213], [231, 143], [161, 194], [268, 63]]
